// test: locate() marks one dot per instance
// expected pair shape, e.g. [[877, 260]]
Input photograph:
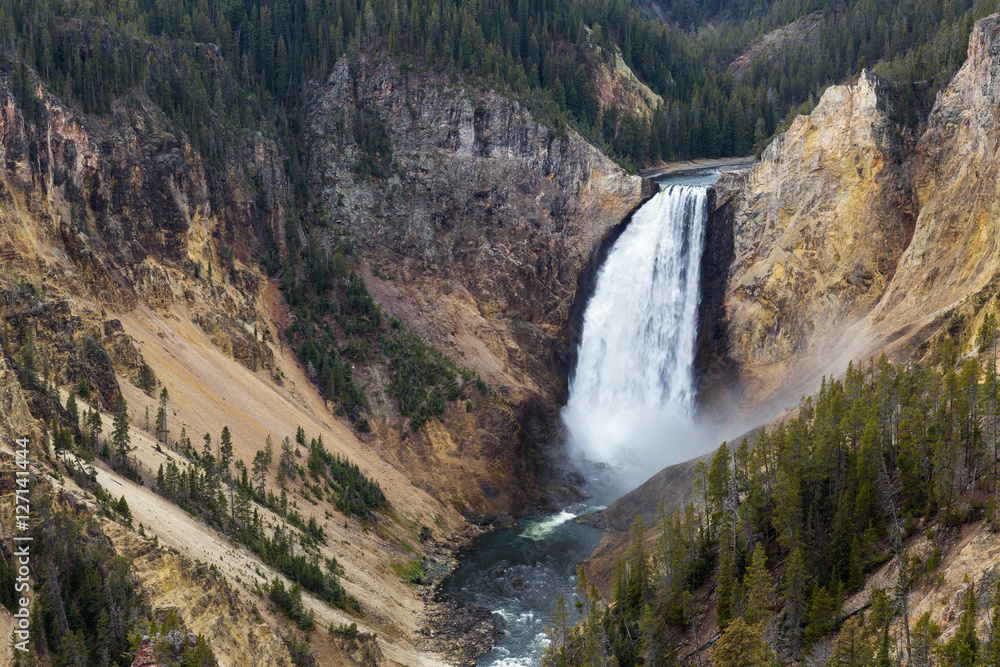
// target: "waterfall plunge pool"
[[519, 573]]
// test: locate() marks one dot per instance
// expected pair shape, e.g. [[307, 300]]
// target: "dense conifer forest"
[[221, 69], [785, 528]]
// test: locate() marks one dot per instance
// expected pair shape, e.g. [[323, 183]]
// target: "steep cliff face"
[[618, 86], [16, 419], [955, 247], [106, 214], [484, 200], [817, 230], [479, 230], [116, 197], [849, 238]]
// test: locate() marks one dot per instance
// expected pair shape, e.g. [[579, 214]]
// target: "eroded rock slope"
[[481, 232], [851, 236]]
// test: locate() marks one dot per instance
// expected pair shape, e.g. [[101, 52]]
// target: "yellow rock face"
[[954, 250], [850, 236], [818, 227]]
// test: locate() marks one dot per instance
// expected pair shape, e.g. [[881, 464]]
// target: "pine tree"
[[992, 649], [103, 647], [121, 441], [757, 584], [852, 647], [960, 650], [73, 410], [95, 426], [225, 450], [882, 657], [793, 586], [29, 367], [560, 621], [718, 491], [259, 468], [925, 635], [821, 616], [655, 650], [740, 645], [161, 417], [123, 510], [726, 583], [594, 653], [268, 452], [286, 462], [987, 332], [207, 458]]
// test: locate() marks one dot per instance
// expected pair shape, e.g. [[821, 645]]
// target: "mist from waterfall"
[[632, 395]]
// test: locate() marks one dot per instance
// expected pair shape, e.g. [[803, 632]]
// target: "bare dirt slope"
[[174, 528], [207, 390]]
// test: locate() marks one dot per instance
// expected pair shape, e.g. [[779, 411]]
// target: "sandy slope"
[[208, 390], [175, 528]]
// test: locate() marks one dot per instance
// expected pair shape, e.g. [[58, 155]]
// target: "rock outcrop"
[[851, 237], [480, 235], [955, 249], [124, 201], [485, 202], [817, 227], [15, 418], [109, 213]]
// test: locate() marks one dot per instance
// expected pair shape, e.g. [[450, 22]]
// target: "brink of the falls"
[[632, 395]]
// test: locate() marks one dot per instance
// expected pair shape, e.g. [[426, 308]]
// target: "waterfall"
[[632, 396]]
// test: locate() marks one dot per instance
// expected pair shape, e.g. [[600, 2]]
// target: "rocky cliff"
[[851, 236], [818, 227], [106, 214], [480, 229], [483, 200], [955, 250]]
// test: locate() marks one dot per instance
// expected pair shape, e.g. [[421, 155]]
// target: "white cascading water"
[[632, 397]]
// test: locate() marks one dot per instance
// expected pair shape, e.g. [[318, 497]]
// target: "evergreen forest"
[[222, 70], [784, 529]]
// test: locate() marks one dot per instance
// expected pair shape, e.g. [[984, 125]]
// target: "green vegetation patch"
[[412, 572]]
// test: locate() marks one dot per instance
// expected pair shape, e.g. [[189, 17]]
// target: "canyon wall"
[[128, 265], [480, 235], [850, 236], [489, 214]]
